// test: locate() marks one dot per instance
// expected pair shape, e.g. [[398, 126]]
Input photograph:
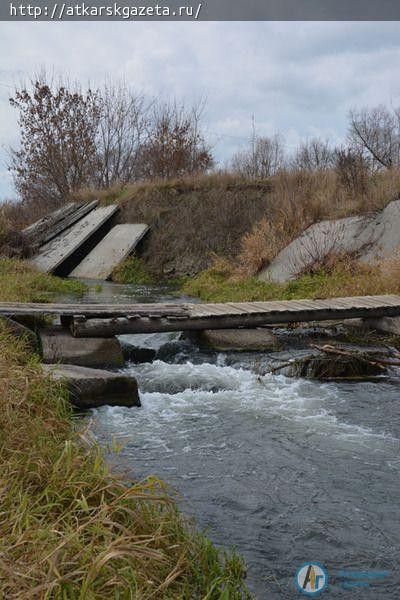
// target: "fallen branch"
[[381, 363]]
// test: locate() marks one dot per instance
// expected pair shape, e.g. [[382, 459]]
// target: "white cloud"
[[299, 78]]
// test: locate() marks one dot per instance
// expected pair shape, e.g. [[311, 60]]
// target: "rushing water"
[[286, 470]]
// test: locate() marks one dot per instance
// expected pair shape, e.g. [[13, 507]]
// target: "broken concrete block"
[[238, 340], [59, 346], [385, 324], [90, 388]]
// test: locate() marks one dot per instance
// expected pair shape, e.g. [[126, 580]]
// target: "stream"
[[287, 471]]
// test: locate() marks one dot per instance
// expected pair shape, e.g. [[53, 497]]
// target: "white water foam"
[[202, 392]]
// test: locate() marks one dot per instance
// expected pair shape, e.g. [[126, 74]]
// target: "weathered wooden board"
[[110, 252], [67, 222], [92, 310], [54, 253], [52, 225], [42, 224]]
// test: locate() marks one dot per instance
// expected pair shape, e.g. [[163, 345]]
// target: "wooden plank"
[[250, 308], [52, 225], [389, 299], [272, 306], [217, 310], [54, 253], [234, 308], [81, 211], [195, 311], [92, 310], [329, 304], [42, 224], [110, 252]]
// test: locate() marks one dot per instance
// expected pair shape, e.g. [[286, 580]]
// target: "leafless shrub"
[[264, 157], [352, 170], [123, 130], [12, 241], [175, 145], [72, 139], [324, 245], [313, 155]]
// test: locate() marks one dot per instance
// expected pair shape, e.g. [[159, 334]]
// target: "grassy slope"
[[190, 219], [19, 282], [344, 279], [193, 220], [68, 528]]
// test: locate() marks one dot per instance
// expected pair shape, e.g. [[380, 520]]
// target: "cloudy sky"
[[296, 78]]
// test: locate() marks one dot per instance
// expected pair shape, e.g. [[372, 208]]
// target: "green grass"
[[133, 271], [20, 282], [69, 528], [217, 285]]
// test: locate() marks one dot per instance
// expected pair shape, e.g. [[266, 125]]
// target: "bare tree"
[[123, 131], [57, 152], [376, 134], [313, 155], [264, 157], [175, 144]]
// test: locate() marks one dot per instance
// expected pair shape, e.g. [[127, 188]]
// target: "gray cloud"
[[299, 78]]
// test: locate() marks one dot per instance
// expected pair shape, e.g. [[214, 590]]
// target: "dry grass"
[[390, 267], [12, 242], [69, 529], [249, 221], [300, 199]]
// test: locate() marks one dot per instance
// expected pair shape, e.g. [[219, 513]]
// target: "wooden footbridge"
[[107, 320]]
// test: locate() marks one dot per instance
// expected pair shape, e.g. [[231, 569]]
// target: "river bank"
[[70, 527], [342, 277]]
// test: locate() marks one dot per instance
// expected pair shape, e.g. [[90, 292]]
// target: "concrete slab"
[[89, 388], [59, 346], [238, 340], [385, 324], [387, 233], [53, 254], [369, 236], [110, 252]]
